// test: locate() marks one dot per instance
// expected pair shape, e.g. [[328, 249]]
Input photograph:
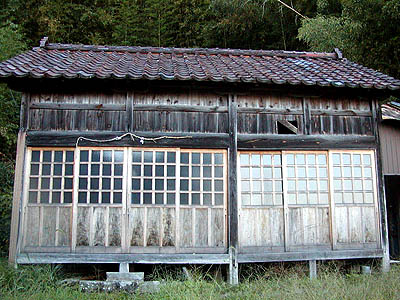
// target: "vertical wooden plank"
[[153, 226], [114, 227], [369, 225], [136, 228], [49, 226], [168, 221], [342, 225], [16, 229], [32, 226], [64, 227], [83, 226], [355, 224], [233, 196], [376, 118], [185, 224], [217, 225], [201, 227]]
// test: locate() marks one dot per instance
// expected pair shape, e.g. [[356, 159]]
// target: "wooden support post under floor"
[[124, 267], [313, 269]]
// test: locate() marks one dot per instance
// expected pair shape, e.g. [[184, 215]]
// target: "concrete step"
[[125, 276]]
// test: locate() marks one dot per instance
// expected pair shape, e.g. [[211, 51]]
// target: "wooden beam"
[[181, 108], [376, 117], [233, 195], [303, 142], [67, 257], [16, 214], [76, 258], [310, 255], [265, 110], [24, 112], [342, 113], [77, 106], [172, 139]]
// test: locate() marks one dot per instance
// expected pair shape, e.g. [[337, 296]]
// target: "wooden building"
[[389, 132], [211, 156]]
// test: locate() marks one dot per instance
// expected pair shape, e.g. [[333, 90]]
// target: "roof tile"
[[230, 65]]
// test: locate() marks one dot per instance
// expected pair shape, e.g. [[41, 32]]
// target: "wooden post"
[[16, 212], [233, 197], [381, 189], [129, 111], [313, 268], [124, 267], [306, 116]]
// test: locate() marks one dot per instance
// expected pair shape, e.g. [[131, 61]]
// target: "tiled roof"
[[227, 65], [391, 111]]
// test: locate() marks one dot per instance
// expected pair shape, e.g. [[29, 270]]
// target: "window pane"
[[47, 156], [159, 170], [184, 158], [45, 183], [118, 156], [267, 159], [195, 185], [107, 156], [135, 184], [84, 156], [196, 199], [135, 198], [57, 171], [35, 156], [184, 199], [95, 156], [207, 185], [118, 170], [94, 197], [218, 159], [159, 184], [207, 200], [117, 197], [148, 170], [159, 198], [207, 158], [218, 185], [195, 158], [136, 157], [171, 157], [195, 171], [117, 184], [33, 183], [94, 183], [136, 170], [34, 169], [67, 197], [148, 156], [170, 198], [105, 197], [171, 171], [106, 170], [255, 160], [160, 157], [171, 184], [147, 198]]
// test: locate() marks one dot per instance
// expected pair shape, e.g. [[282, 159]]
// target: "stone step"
[[125, 276]]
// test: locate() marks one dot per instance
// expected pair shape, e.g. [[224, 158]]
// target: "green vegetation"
[[42, 282]]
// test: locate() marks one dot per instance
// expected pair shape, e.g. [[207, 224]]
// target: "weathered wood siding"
[[389, 135], [82, 119], [197, 112], [165, 119]]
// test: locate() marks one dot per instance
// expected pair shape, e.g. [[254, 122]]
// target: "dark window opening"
[[287, 127]]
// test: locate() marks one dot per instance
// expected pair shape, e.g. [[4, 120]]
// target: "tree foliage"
[[366, 31]]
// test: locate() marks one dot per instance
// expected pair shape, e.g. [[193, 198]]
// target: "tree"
[[366, 31]]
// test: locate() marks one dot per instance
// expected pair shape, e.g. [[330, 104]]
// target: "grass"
[[257, 282]]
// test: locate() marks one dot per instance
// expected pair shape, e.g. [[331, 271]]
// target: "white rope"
[[133, 136]]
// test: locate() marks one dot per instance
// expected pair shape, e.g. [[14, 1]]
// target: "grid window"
[[100, 176], [352, 178], [202, 179], [153, 179], [261, 179], [51, 176], [307, 178]]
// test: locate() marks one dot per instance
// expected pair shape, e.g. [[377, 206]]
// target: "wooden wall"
[[389, 134], [198, 112]]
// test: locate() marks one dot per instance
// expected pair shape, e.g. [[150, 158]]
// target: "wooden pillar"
[[306, 116], [16, 213], [313, 269], [381, 189], [233, 219]]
